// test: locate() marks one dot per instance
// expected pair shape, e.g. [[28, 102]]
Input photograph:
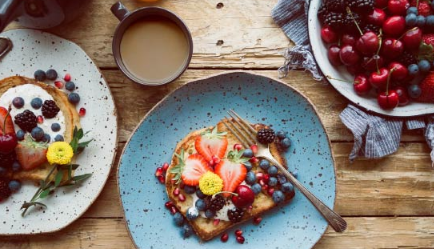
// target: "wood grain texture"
[[363, 233]]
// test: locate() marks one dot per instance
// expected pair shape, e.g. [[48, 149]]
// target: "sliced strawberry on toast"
[[211, 143], [7, 126], [31, 154], [190, 170], [232, 171]]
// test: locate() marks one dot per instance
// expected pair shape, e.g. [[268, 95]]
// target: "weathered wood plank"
[[399, 185], [361, 233], [241, 34]]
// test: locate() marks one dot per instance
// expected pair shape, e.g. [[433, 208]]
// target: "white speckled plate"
[[39, 50]]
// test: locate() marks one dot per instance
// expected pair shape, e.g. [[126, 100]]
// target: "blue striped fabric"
[[374, 136]]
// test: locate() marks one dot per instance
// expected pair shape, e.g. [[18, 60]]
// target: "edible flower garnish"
[[60, 153], [210, 183]]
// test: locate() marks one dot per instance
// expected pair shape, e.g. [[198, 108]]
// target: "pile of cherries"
[[375, 57]]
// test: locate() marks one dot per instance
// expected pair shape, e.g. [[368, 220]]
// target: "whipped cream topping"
[[29, 92]]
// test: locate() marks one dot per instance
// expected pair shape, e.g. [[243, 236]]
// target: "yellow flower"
[[210, 183], [59, 153]]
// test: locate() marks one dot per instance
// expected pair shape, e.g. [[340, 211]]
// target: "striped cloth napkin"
[[374, 136]]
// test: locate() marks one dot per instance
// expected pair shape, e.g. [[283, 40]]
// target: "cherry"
[[349, 39], [355, 69], [398, 7], [381, 3], [394, 25], [244, 196], [368, 43], [8, 142], [402, 96], [398, 71], [361, 85], [388, 99], [378, 79], [349, 56], [376, 17], [373, 62], [328, 35], [333, 55], [412, 38], [392, 48]]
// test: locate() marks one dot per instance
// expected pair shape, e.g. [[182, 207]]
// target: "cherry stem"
[[413, 29], [354, 20], [331, 78], [224, 192], [388, 79], [380, 43], [4, 121]]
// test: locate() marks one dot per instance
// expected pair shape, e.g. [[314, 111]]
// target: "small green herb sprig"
[[49, 185]]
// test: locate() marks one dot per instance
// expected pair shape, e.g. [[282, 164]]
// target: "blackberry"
[[235, 215], [335, 20], [26, 120], [371, 27], [7, 160], [322, 12], [361, 6], [216, 203], [50, 109], [266, 136], [407, 58], [5, 192], [335, 5]]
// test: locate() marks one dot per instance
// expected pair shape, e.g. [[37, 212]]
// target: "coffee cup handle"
[[119, 10]]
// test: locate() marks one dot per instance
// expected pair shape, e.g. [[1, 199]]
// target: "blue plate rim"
[[234, 72]]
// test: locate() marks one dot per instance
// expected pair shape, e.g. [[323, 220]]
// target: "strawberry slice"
[[194, 167], [31, 154], [9, 125], [232, 171], [211, 143]]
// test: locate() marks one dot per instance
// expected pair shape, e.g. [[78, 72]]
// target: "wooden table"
[[388, 203]]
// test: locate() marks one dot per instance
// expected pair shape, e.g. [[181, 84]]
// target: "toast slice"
[[204, 227], [69, 111]]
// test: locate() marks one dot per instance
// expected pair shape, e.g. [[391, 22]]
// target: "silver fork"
[[245, 133]]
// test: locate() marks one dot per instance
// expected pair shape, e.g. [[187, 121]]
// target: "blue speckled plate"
[[201, 104]]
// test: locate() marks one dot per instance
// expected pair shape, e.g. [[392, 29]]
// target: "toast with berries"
[[30, 153], [216, 184]]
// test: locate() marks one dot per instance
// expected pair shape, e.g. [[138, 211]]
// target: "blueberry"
[[59, 138], [281, 134], [186, 231], [3, 171], [272, 181], [20, 135], [250, 178], [264, 164], [272, 171], [278, 196], [430, 21], [256, 188], [16, 166], [189, 189], [74, 98], [413, 69], [287, 187], [37, 133], [192, 213], [420, 21], [424, 66], [200, 194], [46, 138], [51, 74], [36, 103], [55, 127], [412, 10], [281, 178], [285, 143], [248, 153], [209, 213], [178, 219], [18, 102], [40, 75], [411, 20], [200, 205], [294, 173], [248, 166], [14, 185], [414, 91], [70, 86]]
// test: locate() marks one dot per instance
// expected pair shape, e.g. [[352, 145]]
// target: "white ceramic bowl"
[[366, 102]]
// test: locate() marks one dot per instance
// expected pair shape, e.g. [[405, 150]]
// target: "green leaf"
[[74, 134], [80, 178], [58, 178], [67, 166], [80, 134], [45, 193], [426, 52], [74, 144], [84, 144]]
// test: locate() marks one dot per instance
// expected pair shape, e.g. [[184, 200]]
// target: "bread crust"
[[205, 228]]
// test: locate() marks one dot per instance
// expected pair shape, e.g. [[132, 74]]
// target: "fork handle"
[[334, 219]]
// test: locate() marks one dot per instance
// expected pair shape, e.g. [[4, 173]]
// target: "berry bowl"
[[372, 100]]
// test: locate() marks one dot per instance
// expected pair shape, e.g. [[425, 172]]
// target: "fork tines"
[[241, 129]]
